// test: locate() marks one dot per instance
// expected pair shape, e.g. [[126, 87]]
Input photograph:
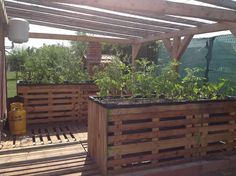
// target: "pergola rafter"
[[80, 38], [91, 18], [161, 7], [138, 21], [82, 30], [221, 3], [39, 16], [120, 17]]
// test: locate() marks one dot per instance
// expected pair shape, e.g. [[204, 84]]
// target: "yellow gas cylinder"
[[17, 119]]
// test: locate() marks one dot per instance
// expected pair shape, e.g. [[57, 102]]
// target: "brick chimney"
[[94, 55]]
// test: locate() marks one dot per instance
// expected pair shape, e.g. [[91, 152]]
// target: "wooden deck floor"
[[52, 149], [48, 134], [66, 160]]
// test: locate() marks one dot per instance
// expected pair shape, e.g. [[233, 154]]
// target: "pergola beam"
[[154, 16], [160, 7], [183, 46], [75, 22], [190, 31], [177, 47], [222, 3], [3, 14], [78, 29], [135, 51], [232, 27], [91, 18], [78, 38], [113, 16]]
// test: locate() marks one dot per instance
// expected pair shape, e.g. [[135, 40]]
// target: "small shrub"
[[148, 80]]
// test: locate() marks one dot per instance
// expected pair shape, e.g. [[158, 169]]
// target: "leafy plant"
[[143, 79], [148, 80], [53, 64], [111, 80], [168, 81], [193, 84]]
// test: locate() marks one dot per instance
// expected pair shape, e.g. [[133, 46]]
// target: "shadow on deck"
[[58, 149]]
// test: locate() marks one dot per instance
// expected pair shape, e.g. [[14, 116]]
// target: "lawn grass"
[[11, 84]]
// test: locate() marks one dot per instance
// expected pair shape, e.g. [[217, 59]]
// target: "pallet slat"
[[159, 135], [53, 103]]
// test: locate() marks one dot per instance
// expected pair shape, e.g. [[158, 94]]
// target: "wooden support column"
[[135, 51], [233, 32], [177, 47], [231, 27], [3, 93]]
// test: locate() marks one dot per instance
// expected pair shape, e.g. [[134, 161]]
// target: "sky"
[[39, 42]]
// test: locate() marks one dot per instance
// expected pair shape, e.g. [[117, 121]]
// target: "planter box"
[[56, 102], [123, 138]]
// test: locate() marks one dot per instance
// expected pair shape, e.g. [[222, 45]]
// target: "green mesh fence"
[[222, 65]]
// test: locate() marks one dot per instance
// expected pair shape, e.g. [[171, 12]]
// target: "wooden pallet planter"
[[55, 103], [131, 137]]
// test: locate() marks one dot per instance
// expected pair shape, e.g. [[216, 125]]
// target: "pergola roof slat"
[[78, 38], [160, 7], [75, 22], [79, 29], [137, 20], [221, 3], [122, 17], [89, 17], [207, 28]]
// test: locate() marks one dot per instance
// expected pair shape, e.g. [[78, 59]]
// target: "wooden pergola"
[[129, 22]]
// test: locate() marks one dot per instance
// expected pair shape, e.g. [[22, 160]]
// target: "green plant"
[[193, 84], [148, 80], [53, 64], [111, 80], [168, 85], [142, 80], [220, 89]]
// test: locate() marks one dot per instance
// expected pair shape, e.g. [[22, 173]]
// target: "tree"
[[53, 64], [149, 51], [17, 57]]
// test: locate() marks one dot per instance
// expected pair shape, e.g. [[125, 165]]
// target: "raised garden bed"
[[125, 137], [56, 102]]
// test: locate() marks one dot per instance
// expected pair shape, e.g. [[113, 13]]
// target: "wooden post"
[[177, 47], [233, 31], [135, 51], [231, 27], [3, 93]]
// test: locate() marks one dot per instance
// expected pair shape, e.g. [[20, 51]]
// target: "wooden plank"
[[135, 51], [39, 16], [159, 7], [91, 18], [148, 146], [206, 28], [78, 38], [60, 134], [183, 46], [52, 103], [158, 135], [180, 109], [221, 3], [121, 17], [3, 13], [3, 78]]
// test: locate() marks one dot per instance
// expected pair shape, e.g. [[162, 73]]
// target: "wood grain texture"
[[56, 103], [160, 135]]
